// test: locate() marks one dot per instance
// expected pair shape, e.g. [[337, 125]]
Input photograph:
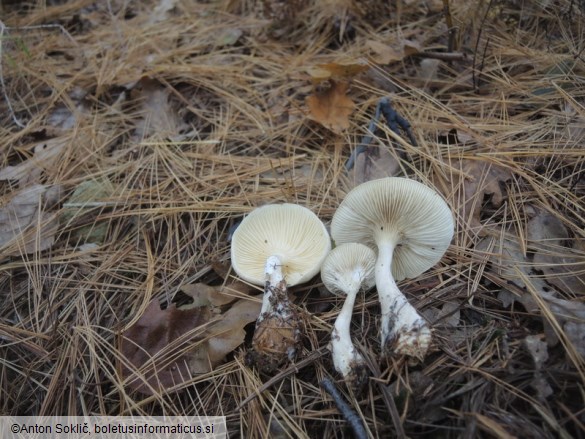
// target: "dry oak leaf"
[[411, 47], [514, 267], [45, 155], [387, 53], [331, 108], [384, 53], [25, 226], [483, 179], [380, 162], [165, 348], [159, 114], [151, 347]]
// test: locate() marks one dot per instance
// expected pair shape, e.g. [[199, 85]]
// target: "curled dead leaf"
[[25, 225], [332, 107], [482, 179], [165, 348], [514, 266], [159, 113], [384, 53], [411, 47], [380, 162], [88, 196], [45, 155], [448, 315], [562, 266], [342, 71], [150, 347]]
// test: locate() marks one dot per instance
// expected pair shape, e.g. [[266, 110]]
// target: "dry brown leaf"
[[384, 53], [158, 114], [448, 315], [538, 349], [575, 123], [337, 71], [331, 108], [512, 265], [546, 229], [151, 345], [411, 47], [45, 155], [24, 225], [372, 166], [562, 267], [228, 333], [508, 260], [143, 345], [484, 179], [387, 53], [204, 295]]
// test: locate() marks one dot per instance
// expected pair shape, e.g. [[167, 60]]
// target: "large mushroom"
[[346, 270], [278, 245], [411, 227]]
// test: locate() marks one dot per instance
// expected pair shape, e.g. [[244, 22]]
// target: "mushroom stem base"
[[404, 331], [275, 341], [277, 335], [349, 362]]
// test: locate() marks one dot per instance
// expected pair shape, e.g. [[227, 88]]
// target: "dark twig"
[[394, 121], [473, 78], [367, 139], [443, 56], [450, 27], [348, 413]]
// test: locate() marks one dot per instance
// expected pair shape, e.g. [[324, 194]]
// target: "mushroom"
[[346, 270], [411, 226], [278, 245]]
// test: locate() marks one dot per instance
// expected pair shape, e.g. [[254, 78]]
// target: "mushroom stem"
[[277, 333], [275, 285], [404, 331], [346, 359]]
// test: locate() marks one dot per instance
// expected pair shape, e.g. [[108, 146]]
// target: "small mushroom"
[[278, 245], [411, 226], [346, 270]]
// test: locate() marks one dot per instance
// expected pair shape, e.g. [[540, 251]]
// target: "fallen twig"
[[394, 121], [348, 413]]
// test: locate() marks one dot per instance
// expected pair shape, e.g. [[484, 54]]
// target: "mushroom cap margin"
[[292, 232], [350, 265], [414, 215]]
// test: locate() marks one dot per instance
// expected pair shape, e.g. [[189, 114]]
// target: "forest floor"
[[135, 135]]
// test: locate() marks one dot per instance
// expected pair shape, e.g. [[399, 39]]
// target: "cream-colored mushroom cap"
[[349, 267], [290, 232], [412, 215]]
